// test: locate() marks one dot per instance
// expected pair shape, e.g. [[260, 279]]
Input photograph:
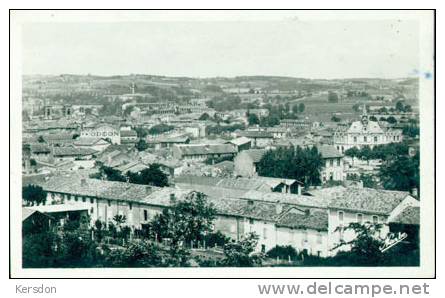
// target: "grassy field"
[[319, 109]]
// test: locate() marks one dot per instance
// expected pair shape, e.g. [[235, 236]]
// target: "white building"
[[365, 132], [332, 169], [313, 224]]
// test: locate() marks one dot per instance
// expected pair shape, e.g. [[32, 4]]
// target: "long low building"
[[200, 152], [308, 223]]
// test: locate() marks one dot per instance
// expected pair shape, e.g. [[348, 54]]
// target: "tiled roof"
[[177, 139], [257, 134], [236, 207], [58, 137], [206, 149], [226, 164], [359, 127], [294, 199], [134, 166], [223, 202], [213, 191], [254, 154], [329, 151], [317, 220], [89, 141], [240, 141], [36, 179], [26, 212], [72, 151], [409, 216], [366, 199], [274, 182], [98, 188], [261, 183], [40, 148]]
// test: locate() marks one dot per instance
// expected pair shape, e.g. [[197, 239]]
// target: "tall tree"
[[141, 145], [301, 164], [241, 253], [401, 173], [153, 175], [33, 194], [301, 107], [253, 119], [186, 220]]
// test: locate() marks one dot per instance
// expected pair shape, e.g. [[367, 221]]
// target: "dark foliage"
[[33, 194], [300, 164]]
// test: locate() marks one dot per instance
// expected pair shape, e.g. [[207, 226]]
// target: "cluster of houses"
[[223, 167], [277, 210]]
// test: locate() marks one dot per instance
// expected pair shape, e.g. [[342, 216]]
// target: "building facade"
[[365, 133]]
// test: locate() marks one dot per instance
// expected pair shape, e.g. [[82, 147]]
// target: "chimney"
[[415, 192], [172, 197], [83, 182], [148, 189]]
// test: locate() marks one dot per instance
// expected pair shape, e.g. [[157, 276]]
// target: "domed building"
[[365, 132]]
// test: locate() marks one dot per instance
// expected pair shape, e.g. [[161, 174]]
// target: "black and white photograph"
[[222, 143]]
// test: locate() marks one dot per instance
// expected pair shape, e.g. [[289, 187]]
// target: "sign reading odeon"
[[104, 134]]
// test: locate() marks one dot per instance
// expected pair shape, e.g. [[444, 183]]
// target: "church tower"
[[364, 116]]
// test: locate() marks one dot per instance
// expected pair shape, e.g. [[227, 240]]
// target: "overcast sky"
[[315, 49]]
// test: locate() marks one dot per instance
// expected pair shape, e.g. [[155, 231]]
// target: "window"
[[130, 205], [319, 238], [263, 248], [92, 200], [340, 215], [251, 221], [109, 203], [355, 139], [338, 162], [359, 218], [375, 139], [145, 215], [341, 234], [76, 198], [91, 210], [84, 199], [265, 233], [365, 139], [331, 162], [375, 219]]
